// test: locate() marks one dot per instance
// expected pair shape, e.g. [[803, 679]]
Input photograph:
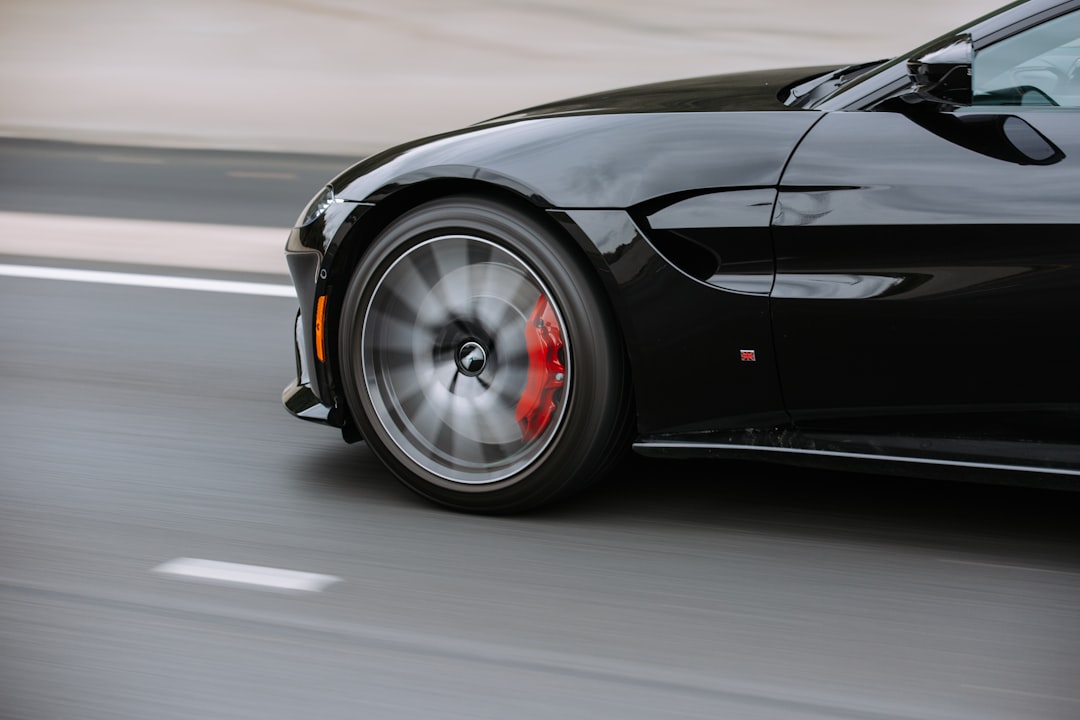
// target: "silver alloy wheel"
[[464, 359]]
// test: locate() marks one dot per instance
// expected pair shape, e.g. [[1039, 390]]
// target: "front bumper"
[[298, 397], [301, 400], [308, 252]]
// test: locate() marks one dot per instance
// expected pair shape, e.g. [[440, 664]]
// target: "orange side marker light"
[[320, 329]]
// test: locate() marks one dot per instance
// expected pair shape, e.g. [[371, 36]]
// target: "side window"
[[1040, 66]]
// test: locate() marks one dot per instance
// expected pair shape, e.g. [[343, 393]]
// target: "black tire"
[[480, 359]]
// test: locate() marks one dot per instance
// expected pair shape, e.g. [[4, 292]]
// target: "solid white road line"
[[153, 281], [235, 573]]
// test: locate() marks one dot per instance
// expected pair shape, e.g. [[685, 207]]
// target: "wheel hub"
[[472, 358]]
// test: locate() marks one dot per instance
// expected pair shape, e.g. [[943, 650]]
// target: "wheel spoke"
[[410, 398], [398, 338], [448, 258], [411, 285]]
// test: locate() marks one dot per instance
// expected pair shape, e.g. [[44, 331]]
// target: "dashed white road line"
[[139, 280], [238, 574]]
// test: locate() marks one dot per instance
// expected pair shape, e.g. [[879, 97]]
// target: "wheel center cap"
[[472, 358]]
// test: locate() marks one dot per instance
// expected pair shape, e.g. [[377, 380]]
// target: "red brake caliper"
[[543, 338]]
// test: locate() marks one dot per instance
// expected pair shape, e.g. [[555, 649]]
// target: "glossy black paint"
[[596, 161], [683, 333], [936, 293], [899, 269], [759, 91], [309, 253]]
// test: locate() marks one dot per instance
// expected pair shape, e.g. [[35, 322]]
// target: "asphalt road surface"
[[141, 437]]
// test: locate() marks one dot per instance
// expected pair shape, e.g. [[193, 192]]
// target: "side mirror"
[[941, 74]]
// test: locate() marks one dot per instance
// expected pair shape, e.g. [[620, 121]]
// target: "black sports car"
[[872, 264]]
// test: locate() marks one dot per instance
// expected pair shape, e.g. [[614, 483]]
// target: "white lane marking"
[[236, 573], [257, 175], [153, 281], [1003, 566]]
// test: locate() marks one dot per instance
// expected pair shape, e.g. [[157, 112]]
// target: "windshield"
[[888, 77], [1040, 66]]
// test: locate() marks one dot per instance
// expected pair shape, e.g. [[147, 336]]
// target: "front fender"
[[593, 161]]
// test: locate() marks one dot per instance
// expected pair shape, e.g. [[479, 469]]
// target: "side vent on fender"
[[693, 258]]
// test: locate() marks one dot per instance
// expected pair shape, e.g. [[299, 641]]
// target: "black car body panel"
[[663, 311], [938, 294], [758, 91], [858, 276], [595, 161]]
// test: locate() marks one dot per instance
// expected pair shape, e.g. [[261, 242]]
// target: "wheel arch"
[[344, 256]]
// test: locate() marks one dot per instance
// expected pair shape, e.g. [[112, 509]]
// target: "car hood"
[[741, 92], [611, 149]]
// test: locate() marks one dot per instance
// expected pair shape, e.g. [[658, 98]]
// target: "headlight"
[[318, 205]]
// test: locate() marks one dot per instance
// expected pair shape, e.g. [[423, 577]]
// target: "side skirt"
[[1011, 462]]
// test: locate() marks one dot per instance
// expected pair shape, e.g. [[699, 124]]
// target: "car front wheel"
[[480, 359]]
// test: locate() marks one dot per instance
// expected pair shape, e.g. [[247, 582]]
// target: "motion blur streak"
[[255, 575]]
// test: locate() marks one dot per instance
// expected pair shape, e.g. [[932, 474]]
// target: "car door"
[[928, 259]]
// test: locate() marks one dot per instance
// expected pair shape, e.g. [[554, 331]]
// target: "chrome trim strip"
[[858, 456]]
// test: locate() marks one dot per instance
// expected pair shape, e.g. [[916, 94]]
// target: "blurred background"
[[350, 76], [173, 545]]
